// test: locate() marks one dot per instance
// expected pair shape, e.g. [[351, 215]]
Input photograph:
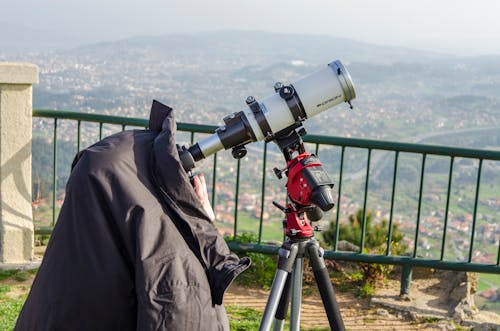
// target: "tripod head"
[[309, 188]]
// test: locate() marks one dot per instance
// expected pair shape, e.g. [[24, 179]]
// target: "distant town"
[[401, 96]]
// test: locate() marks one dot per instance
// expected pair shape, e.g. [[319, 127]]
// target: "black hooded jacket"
[[132, 248]]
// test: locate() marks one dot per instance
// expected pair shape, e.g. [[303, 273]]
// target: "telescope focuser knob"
[[239, 152], [278, 86]]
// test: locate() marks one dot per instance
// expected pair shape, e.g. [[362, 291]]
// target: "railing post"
[[16, 218], [406, 275]]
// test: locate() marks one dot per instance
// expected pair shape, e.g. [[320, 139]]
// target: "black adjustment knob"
[[287, 92], [314, 214], [250, 100], [239, 152]]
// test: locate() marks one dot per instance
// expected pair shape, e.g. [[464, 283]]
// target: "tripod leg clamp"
[[286, 257], [316, 259]]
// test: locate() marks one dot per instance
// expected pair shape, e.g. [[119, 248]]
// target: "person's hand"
[[200, 188]]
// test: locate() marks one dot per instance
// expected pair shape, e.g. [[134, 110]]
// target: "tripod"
[[309, 191]]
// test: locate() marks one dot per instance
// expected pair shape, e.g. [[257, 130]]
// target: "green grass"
[[484, 304], [10, 304], [243, 318], [9, 307], [429, 319], [487, 280], [488, 190], [263, 267], [347, 281], [17, 275], [42, 216], [272, 229]]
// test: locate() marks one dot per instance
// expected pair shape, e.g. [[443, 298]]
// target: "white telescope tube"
[[292, 104]]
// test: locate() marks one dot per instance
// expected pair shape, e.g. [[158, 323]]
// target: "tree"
[[375, 234]]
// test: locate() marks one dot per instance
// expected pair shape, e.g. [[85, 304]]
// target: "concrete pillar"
[[16, 219]]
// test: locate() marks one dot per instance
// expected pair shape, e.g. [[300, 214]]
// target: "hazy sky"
[[451, 26]]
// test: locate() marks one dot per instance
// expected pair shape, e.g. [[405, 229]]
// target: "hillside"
[[402, 95]]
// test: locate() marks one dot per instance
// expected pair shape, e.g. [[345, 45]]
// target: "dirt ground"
[[357, 313], [429, 299], [424, 309]]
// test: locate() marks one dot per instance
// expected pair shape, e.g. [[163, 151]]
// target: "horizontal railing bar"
[[415, 262], [382, 259], [111, 119], [87, 117], [357, 257], [404, 147], [44, 230], [310, 138]]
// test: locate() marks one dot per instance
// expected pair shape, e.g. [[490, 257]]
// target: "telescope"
[[277, 115], [279, 118]]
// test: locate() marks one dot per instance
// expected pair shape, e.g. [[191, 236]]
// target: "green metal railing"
[[370, 146]]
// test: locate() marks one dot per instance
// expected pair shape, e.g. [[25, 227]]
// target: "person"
[[134, 246], [200, 189]]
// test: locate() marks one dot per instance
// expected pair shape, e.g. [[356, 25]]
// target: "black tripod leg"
[[325, 286], [283, 305]]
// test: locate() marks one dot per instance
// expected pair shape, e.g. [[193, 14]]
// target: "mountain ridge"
[[18, 38]]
